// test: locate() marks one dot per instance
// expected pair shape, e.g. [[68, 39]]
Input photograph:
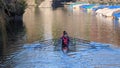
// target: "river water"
[[44, 26], [45, 23]]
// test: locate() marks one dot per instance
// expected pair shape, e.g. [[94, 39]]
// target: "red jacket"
[[65, 40]]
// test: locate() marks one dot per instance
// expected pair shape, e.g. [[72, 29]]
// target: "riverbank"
[[104, 10]]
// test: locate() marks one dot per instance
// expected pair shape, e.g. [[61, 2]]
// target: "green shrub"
[[20, 6], [13, 8]]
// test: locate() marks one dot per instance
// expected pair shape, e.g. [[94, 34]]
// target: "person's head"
[[64, 33]]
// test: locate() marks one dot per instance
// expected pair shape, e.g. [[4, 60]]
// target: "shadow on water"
[[14, 29], [10, 32]]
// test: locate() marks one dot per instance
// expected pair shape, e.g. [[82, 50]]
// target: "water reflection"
[[11, 36], [45, 23], [31, 20], [105, 30], [3, 35], [47, 20], [116, 27]]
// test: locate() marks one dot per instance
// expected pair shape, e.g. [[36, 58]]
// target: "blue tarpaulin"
[[87, 6], [116, 15], [104, 6], [113, 7]]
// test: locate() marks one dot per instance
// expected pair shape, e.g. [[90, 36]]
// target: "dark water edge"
[[9, 34]]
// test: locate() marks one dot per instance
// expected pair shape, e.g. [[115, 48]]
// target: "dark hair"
[[64, 32]]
